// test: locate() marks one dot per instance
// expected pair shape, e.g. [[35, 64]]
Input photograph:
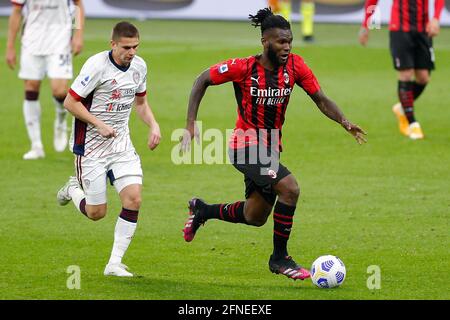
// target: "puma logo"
[[255, 79]]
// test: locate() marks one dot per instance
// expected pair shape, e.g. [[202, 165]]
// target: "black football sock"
[[129, 215], [231, 212], [282, 224], [82, 207], [418, 89], [406, 96]]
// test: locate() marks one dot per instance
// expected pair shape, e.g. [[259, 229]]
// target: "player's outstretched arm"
[[332, 111], [76, 108], [77, 38], [145, 113], [202, 82], [13, 28]]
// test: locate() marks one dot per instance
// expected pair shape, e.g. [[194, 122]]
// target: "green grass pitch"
[[386, 203]]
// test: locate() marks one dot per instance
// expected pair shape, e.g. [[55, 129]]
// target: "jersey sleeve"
[[369, 9], [230, 70], [142, 88], [88, 79], [19, 3], [304, 77], [438, 6]]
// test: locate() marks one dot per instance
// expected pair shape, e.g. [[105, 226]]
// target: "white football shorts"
[[55, 66], [122, 169]]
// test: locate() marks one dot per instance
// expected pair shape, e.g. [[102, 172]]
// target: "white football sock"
[[32, 115], [123, 234], [77, 195], [60, 111]]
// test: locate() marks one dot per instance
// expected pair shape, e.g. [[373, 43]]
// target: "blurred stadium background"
[[385, 204]]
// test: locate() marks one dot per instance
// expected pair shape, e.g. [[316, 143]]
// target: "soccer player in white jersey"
[[101, 99], [47, 45]]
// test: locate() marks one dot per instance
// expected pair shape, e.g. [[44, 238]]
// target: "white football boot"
[[415, 131], [60, 135], [34, 153], [118, 270], [63, 196]]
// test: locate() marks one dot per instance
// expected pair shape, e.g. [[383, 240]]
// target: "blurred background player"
[[263, 84], [47, 45], [101, 99], [411, 46], [307, 9]]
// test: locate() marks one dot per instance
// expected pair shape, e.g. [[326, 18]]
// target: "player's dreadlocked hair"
[[267, 20]]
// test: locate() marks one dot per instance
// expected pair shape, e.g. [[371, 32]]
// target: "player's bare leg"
[[256, 210], [32, 116], [124, 230], [59, 91], [422, 77], [283, 216]]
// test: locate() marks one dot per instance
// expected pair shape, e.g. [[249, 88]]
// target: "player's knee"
[[406, 75], [423, 79], [133, 202], [290, 195], [32, 85], [96, 214], [59, 94]]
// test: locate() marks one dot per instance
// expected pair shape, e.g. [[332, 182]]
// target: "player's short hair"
[[265, 19], [124, 29]]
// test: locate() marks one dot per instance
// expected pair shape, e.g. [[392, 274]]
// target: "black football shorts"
[[411, 50], [260, 173]]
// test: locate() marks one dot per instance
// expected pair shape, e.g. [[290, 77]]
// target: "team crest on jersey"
[[272, 174], [116, 94], [109, 107], [223, 68], [113, 82], [136, 77], [286, 78]]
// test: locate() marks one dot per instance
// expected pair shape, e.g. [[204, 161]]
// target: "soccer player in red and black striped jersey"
[[411, 33], [262, 87]]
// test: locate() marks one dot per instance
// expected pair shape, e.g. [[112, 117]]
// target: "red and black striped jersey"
[[262, 95], [406, 15]]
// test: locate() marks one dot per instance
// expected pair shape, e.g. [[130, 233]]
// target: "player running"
[[411, 44], [262, 85], [101, 99], [47, 47]]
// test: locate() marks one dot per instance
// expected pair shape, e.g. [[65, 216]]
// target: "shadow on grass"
[[142, 287]]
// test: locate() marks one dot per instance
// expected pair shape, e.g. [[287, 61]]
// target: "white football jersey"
[[47, 26], [108, 91]]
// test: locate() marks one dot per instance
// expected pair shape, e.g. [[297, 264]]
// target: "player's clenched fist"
[[106, 131]]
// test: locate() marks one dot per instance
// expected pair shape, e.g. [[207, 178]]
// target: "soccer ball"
[[328, 272]]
